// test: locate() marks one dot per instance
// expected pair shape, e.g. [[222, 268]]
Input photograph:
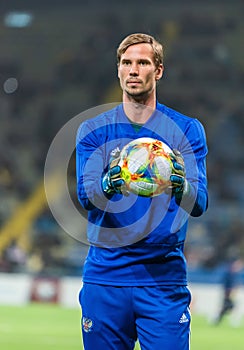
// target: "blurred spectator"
[[15, 258], [231, 282]]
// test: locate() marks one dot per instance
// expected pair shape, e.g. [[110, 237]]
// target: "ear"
[[159, 72]]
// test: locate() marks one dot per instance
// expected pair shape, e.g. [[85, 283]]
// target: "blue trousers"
[[113, 318]]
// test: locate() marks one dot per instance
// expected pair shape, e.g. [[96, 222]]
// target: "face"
[[137, 71]]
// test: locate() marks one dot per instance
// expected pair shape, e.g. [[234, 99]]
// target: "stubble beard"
[[136, 95]]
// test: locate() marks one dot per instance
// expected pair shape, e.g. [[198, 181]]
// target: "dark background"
[[60, 60]]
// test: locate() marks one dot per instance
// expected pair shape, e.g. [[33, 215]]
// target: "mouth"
[[133, 82]]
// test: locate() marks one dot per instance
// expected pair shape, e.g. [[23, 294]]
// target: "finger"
[[118, 182], [177, 180], [115, 171], [177, 153], [114, 162], [178, 156], [177, 166]]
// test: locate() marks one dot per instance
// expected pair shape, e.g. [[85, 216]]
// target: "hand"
[[179, 184], [111, 181]]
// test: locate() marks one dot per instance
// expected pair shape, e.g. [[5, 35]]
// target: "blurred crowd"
[[75, 69]]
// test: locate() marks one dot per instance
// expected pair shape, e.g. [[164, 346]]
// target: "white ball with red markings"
[[146, 166]]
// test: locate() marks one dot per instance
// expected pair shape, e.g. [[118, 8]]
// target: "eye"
[[126, 62], [144, 63]]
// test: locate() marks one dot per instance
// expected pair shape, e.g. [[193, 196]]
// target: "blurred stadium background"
[[58, 59]]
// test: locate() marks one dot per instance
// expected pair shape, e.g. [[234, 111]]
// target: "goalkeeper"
[[134, 280]]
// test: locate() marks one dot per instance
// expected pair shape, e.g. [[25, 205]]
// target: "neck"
[[139, 110]]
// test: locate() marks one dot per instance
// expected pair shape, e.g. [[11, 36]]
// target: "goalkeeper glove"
[[179, 183], [112, 182]]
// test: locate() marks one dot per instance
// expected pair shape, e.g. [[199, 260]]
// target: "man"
[[231, 282], [134, 282]]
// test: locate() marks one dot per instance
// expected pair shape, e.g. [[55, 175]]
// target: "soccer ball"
[[146, 166]]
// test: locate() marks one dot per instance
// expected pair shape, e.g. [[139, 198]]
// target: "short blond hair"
[[140, 38]]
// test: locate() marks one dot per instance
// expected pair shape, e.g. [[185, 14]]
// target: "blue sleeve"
[[89, 162], [196, 201]]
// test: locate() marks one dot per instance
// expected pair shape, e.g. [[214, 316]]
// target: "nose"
[[134, 70]]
